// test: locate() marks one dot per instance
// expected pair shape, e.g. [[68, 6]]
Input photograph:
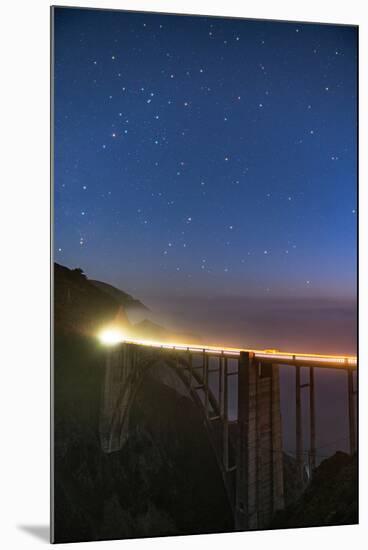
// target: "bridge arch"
[[134, 367], [254, 479]]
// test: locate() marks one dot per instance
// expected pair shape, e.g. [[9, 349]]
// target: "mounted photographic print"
[[204, 374]]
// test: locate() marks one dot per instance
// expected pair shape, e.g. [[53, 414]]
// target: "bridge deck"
[[272, 356]]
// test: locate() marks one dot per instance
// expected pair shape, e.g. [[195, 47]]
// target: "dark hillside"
[[330, 499], [79, 306], [164, 481]]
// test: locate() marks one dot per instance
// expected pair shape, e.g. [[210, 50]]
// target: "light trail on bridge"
[[114, 336]]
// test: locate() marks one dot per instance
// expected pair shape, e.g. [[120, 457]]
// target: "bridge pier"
[[259, 473], [225, 422], [298, 424], [312, 421]]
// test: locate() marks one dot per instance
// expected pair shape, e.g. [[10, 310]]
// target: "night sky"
[[208, 167]]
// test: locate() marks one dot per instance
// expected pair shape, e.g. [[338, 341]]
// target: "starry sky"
[[208, 167]]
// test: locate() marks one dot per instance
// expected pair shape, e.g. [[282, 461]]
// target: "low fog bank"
[[304, 325]]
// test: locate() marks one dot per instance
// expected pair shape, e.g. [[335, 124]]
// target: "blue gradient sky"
[[204, 162]]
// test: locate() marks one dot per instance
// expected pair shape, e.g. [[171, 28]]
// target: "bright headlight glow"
[[111, 336]]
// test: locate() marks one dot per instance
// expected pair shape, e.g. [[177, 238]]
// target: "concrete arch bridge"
[[248, 448]]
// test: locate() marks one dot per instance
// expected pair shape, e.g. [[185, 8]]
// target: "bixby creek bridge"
[[248, 449]]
